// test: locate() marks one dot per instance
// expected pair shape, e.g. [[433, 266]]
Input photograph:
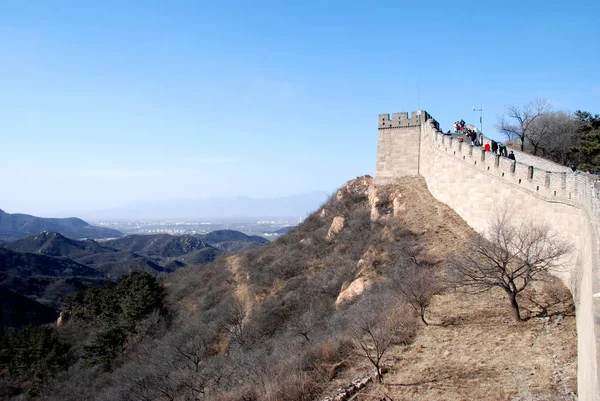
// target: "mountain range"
[[15, 226], [38, 272]]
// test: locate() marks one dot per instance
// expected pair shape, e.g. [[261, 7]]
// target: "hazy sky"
[[108, 102]]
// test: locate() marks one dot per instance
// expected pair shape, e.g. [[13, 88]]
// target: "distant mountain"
[[159, 245], [283, 230], [113, 263], [236, 207], [15, 226], [217, 236], [231, 240], [55, 244], [40, 271]]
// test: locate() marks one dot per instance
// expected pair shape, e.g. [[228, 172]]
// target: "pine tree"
[[589, 137]]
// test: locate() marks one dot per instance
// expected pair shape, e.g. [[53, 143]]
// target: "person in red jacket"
[[487, 147]]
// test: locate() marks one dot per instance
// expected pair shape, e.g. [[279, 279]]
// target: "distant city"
[[264, 227]]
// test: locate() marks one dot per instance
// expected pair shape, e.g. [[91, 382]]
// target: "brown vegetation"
[[266, 325]]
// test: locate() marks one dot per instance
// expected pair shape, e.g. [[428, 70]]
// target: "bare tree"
[[236, 321], [305, 322], [517, 124], [552, 136], [512, 258], [377, 327], [415, 280]]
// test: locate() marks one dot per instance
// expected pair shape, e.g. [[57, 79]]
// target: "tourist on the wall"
[[511, 155], [502, 149], [487, 147], [474, 138]]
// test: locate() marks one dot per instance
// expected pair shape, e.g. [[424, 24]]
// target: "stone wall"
[[537, 162], [475, 183], [397, 152]]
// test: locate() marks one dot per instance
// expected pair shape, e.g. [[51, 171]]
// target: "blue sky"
[[106, 103]]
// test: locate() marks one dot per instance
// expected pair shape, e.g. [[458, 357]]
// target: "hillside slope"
[[232, 241], [43, 278], [280, 322], [158, 245], [18, 311], [55, 244]]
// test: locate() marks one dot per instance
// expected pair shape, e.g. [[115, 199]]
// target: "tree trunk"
[[515, 306], [422, 314]]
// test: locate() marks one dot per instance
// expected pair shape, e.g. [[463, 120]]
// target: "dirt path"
[[242, 289]]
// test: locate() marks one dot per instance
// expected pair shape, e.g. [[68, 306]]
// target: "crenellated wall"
[[475, 183], [402, 120]]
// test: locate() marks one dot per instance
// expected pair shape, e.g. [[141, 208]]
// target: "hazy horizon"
[[107, 103], [172, 208]]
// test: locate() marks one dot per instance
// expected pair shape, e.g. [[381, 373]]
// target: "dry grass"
[[475, 351]]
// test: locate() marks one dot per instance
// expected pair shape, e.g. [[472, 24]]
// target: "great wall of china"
[[475, 183]]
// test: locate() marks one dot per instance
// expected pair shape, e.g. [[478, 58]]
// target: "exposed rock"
[[365, 264], [373, 200], [360, 185], [353, 291], [336, 226], [398, 205], [306, 241], [344, 393]]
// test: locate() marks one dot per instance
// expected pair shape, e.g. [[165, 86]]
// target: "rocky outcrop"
[[373, 200], [336, 226], [353, 291]]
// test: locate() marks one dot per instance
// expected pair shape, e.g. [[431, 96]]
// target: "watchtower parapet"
[[401, 120], [398, 145]]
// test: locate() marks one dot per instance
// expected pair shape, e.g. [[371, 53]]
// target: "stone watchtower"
[[398, 145]]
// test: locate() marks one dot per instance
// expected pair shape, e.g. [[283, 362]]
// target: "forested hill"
[[15, 226]]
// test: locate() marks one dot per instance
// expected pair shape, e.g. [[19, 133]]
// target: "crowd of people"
[[459, 126], [476, 139]]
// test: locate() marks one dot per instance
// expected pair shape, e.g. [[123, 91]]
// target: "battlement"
[[551, 185], [401, 120]]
